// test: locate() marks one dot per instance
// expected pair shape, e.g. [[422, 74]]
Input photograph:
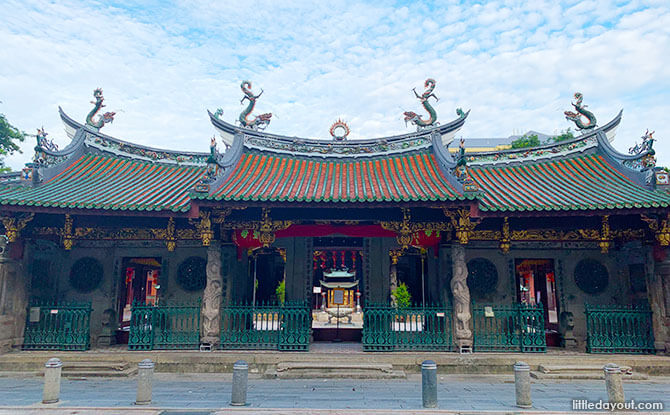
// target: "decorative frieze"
[[15, 224]]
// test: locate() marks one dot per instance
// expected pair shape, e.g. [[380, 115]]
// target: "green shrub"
[[403, 298], [526, 141], [280, 292]]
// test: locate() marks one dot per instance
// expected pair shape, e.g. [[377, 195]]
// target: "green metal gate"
[[57, 326], [266, 326], [164, 327], [387, 328], [509, 328], [619, 329]]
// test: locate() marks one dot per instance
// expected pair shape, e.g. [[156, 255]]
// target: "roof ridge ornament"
[[576, 117], [103, 119], [462, 172], [413, 117], [259, 122], [339, 130]]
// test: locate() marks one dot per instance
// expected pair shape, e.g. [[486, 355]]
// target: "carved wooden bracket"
[[605, 235], [406, 229], [66, 234], [661, 228], [462, 223], [204, 227], [170, 235], [505, 237], [15, 224]]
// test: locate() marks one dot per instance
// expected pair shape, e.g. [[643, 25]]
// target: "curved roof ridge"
[[263, 141], [584, 142], [108, 144]]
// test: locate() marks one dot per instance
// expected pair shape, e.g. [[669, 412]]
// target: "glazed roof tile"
[[406, 177], [111, 183], [586, 182]]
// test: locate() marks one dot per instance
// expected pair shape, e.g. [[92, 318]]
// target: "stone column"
[[210, 314], [461, 293], [658, 291], [13, 300]]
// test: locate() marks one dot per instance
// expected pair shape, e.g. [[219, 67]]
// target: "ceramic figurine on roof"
[[43, 143], [461, 170], [257, 123], [105, 118], [413, 117], [576, 117], [645, 149]]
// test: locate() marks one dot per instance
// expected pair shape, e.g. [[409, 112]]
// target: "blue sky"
[[515, 64]]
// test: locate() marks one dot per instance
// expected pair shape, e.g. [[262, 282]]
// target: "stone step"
[[330, 369], [582, 376], [577, 368], [69, 366], [82, 374], [576, 372]]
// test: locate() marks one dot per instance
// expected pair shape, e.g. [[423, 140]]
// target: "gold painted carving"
[[660, 227], [204, 227], [407, 228], [170, 238], [266, 227], [462, 223], [394, 254], [66, 234], [605, 235], [14, 225], [505, 237]]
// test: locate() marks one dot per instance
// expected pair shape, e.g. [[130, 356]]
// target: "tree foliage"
[[526, 141], [563, 136], [10, 137]]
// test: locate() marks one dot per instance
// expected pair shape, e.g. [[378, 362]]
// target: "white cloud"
[[514, 63]]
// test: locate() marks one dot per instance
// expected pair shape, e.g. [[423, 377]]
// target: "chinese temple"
[[408, 242]]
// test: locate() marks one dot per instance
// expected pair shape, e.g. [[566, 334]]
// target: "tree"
[[526, 141], [10, 136], [563, 136]]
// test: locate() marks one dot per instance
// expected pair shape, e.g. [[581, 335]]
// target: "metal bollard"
[[613, 383], [522, 385], [145, 374], [51, 393], [429, 384], [240, 377]]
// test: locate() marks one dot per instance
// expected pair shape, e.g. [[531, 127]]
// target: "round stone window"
[[482, 277], [86, 274], [591, 276], [192, 274]]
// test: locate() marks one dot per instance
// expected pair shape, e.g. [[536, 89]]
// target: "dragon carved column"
[[211, 301], [461, 293]]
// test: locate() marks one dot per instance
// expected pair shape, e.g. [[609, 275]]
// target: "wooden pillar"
[[210, 315], [461, 293], [658, 291]]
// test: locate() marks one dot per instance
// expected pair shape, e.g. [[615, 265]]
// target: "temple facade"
[[274, 242]]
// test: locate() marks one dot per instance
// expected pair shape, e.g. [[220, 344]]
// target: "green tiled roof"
[[110, 183], [408, 176], [578, 183]]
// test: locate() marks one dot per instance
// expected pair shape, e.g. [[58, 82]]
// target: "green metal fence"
[[164, 327], [619, 329], [387, 328], [266, 326], [509, 328], [57, 326]]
